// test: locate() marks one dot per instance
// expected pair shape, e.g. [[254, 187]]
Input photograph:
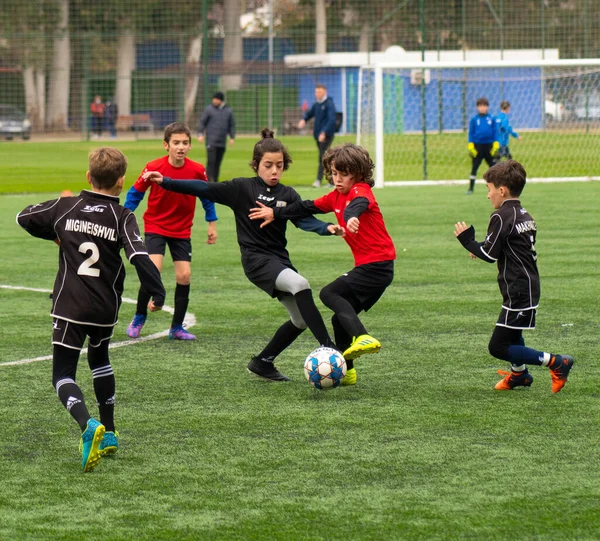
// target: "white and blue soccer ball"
[[325, 368]]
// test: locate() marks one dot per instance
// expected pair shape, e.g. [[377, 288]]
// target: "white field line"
[[189, 321], [547, 180]]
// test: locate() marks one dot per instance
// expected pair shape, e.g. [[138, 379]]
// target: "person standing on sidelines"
[[323, 111], [90, 229], [168, 221], [504, 131], [217, 121], [483, 140]]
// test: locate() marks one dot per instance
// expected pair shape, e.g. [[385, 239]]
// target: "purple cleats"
[[179, 333], [135, 327]]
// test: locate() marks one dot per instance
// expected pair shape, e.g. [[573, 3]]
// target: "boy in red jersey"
[[350, 169], [168, 221]]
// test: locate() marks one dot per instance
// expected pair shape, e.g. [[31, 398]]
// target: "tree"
[[57, 111], [232, 46]]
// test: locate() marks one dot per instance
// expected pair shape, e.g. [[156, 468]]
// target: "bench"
[[135, 122]]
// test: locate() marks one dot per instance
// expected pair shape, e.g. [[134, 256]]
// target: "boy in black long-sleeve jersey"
[[91, 228], [510, 241]]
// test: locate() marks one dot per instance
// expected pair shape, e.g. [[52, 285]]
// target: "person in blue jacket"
[[483, 140], [504, 131], [323, 111]]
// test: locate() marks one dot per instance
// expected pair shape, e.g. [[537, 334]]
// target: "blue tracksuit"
[[504, 129], [483, 130], [324, 114]]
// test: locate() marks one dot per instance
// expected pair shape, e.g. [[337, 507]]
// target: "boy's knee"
[[498, 349], [183, 278]]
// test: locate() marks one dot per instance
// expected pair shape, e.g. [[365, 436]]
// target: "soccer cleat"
[[316, 184], [560, 366], [361, 345], [109, 444], [135, 327], [349, 378], [179, 333], [513, 379], [90, 445], [469, 192], [266, 370]]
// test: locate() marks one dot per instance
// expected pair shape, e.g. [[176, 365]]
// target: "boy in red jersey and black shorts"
[[168, 221], [350, 169]]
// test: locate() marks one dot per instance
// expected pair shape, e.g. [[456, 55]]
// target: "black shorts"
[[368, 282], [72, 335], [517, 319], [181, 249], [263, 271]]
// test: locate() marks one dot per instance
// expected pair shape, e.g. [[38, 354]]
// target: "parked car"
[[587, 107], [14, 122], [555, 111]]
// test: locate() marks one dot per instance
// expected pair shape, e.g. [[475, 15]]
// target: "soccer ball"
[[325, 368]]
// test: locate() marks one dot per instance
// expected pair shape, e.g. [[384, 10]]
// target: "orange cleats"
[[560, 366], [513, 379]]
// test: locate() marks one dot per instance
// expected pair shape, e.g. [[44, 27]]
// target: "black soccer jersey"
[[91, 228], [241, 194], [510, 241]]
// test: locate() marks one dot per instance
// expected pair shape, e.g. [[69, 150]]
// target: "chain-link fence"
[[150, 63]]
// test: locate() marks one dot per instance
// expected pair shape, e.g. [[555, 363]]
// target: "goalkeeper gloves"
[[495, 148], [472, 151]]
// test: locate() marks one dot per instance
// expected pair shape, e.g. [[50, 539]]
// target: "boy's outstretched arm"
[[150, 280], [466, 236]]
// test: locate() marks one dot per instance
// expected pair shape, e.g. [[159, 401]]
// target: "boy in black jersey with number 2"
[[510, 241], [91, 228], [265, 258]]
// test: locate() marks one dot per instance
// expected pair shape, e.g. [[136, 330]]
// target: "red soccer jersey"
[[170, 214], [372, 243]]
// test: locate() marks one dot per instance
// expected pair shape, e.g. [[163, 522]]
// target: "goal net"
[[414, 119]]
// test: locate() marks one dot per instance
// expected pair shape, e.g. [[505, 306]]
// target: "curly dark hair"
[[349, 159], [269, 144]]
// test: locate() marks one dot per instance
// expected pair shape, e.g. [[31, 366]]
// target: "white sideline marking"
[[189, 321], [455, 182]]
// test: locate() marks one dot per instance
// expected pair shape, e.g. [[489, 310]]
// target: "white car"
[[554, 111], [587, 108]]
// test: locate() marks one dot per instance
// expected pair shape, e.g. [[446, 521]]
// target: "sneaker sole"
[[95, 453], [109, 451]]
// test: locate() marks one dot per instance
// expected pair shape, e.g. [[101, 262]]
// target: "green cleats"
[[109, 444], [90, 445]]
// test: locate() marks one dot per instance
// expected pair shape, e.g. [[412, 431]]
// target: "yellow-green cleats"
[[362, 345], [349, 378]]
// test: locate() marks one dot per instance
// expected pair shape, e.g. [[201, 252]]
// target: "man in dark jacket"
[[215, 124], [323, 111]]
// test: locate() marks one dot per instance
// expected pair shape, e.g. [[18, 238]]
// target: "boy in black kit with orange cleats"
[[91, 228], [510, 241]]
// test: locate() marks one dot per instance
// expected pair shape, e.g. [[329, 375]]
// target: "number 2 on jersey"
[[86, 269]]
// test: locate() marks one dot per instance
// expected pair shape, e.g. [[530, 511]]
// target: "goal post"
[[413, 117]]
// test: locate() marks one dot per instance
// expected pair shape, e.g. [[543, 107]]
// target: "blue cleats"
[[135, 327], [90, 445], [109, 444]]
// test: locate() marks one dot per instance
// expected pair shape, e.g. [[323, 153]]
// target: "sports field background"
[[421, 448]]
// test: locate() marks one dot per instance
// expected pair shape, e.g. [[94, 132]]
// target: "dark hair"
[[219, 96], [176, 127], [106, 166], [349, 159], [504, 105], [482, 101], [269, 144], [510, 174], [321, 85]]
